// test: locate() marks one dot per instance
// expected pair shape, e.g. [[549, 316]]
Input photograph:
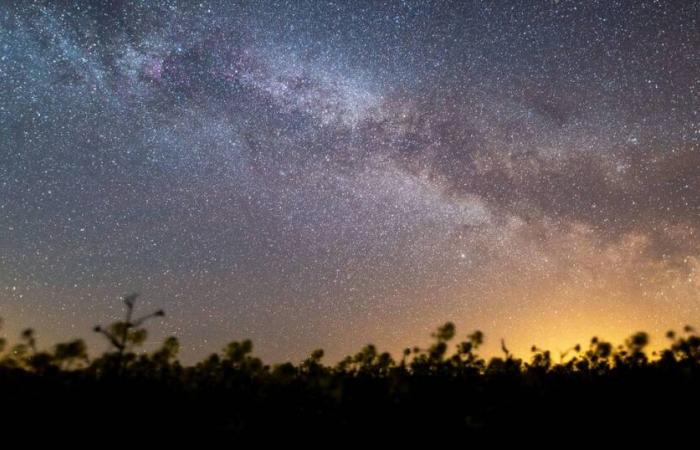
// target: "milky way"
[[312, 174]]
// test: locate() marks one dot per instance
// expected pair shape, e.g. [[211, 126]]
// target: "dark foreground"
[[442, 389]]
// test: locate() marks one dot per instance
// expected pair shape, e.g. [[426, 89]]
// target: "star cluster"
[[323, 174]]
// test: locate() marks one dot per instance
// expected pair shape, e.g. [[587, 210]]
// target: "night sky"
[[328, 174]]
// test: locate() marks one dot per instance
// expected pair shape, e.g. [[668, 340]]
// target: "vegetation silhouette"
[[444, 387]]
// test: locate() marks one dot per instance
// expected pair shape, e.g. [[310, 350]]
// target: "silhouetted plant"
[[69, 354], [127, 334], [685, 348], [370, 361], [541, 359], [599, 354], [633, 352], [314, 358], [442, 336], [3, 341], [168, 351], [238, 355]]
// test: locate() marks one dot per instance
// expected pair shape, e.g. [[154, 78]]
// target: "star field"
[[324, 174]]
